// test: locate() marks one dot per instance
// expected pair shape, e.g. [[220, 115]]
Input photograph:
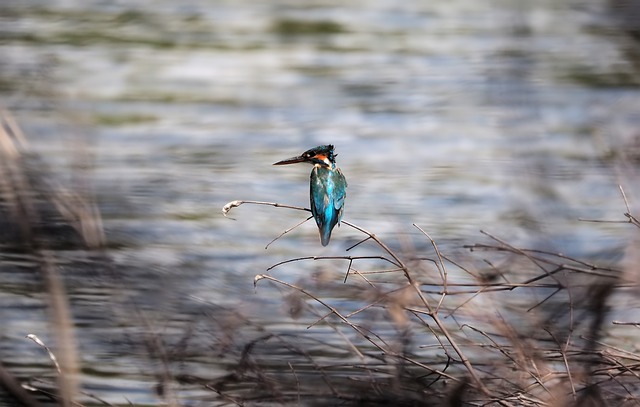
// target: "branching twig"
[[548, 264], [320, 301], [350, 258]]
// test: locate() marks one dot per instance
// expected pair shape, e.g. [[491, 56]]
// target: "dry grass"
[[30, 201]]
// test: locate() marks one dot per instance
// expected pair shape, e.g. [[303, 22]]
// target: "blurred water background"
[[514, 117]]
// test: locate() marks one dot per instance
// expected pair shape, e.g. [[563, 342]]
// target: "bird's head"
[[321, 155]]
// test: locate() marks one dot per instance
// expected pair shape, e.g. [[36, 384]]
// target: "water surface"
[[457, 116]]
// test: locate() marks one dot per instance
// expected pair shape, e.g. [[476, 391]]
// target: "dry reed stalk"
[[20, 187], [63, 330]]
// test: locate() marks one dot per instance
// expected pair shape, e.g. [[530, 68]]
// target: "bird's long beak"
[[292, 160]]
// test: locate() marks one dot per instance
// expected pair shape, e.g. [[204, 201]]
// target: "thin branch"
[[624, 198], [441, 267], [350, 258], [287, 231], [320, 301], [348, 270], [234, 204], [636, 324], [563, 353], [631, 219], [358, 244]]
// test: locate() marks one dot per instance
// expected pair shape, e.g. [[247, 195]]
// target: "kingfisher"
[[328, 188]]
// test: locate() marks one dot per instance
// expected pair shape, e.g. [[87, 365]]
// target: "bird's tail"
[[325, 234]]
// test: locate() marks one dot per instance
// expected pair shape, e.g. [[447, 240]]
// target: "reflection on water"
[[505, 116]]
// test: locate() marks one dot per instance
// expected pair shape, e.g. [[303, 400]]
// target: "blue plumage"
[[328, 188]]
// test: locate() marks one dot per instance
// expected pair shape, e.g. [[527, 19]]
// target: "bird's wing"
[[327, 200], [340, 195], [327, 195], [341, 192], [319, 197]]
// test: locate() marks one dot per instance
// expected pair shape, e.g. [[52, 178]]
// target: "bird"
[[328, 188]]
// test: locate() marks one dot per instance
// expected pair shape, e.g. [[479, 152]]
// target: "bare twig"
[[350, 258], [440, 265], [287, 231], [630, 218], [563, 352], [323, 303], [297, 380], [624, 197], [636, 324], [234, 204]]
